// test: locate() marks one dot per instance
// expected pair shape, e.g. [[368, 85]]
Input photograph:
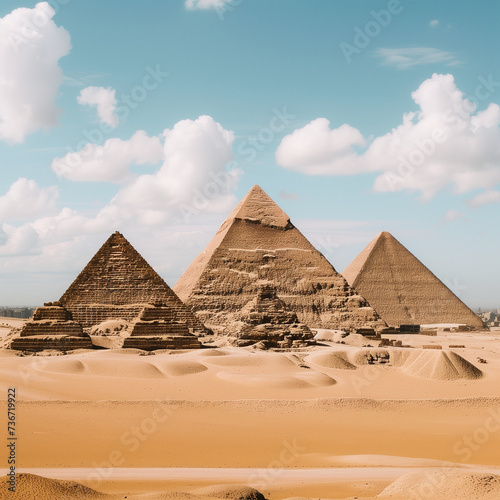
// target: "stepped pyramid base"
[[37, 343], [151, 343]]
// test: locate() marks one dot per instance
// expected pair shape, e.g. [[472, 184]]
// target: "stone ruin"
[[51, 327], [117, 285], [257, 244], [267, 319]]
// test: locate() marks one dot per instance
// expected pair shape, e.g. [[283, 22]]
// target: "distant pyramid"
[[117, 284], [257, 245], [401, 289]]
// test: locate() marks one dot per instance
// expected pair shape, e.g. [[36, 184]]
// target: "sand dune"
[[34, 487], [301, 381], [376, 413], [444, 485], [439, 365], [336, 370], [336, 360], [31, 487]]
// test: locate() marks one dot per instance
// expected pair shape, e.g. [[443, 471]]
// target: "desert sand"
[[333, 420]]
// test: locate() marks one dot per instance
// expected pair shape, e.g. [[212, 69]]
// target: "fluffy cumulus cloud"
[[19, 241], [319, 150], [194, 176], [208, 4], [31, 45], [405, 58], [25, 199], [104, 100], [111, 161], [447, 143]]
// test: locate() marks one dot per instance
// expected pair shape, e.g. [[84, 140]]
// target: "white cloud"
[[317, 149], [20, 240], [25, 199], [206, 4], [192, 179], [105, 102], [194, 176], [177, 207], [452, 215], [110, 162], [446, 144], [484, 198], [434, 23], [31, 45], [416, 56]]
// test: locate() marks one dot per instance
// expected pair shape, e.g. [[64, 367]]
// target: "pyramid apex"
[[402, 289], [257, 206], [384, 234]]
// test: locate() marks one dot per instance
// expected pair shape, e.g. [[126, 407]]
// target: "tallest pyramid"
[[258, 246]]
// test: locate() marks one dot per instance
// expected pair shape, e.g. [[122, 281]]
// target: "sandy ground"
[[321, 423], [6, 324]]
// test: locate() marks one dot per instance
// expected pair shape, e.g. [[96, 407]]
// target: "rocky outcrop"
[[268, 319]]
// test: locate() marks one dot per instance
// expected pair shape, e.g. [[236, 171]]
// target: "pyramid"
[[117, 284], [257, 245], [401, 289]]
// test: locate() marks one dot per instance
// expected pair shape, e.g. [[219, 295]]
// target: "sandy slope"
[[326, 407]]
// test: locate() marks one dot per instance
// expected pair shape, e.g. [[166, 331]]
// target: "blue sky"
[[306, 99]]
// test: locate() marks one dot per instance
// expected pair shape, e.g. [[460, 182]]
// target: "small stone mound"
[[372, 357], [444, 484]]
